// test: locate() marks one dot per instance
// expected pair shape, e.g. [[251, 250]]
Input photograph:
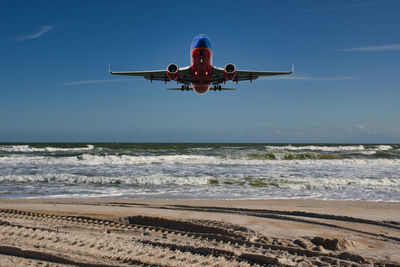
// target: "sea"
[[200, 171]]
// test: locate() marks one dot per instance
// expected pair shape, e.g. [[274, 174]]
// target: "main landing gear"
[[217, 87], [185, 87]]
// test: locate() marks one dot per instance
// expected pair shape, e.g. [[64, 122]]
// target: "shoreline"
[[68, 199]]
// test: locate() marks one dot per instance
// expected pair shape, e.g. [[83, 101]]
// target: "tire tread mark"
[[388, 224], [215, 252], [37, 255], [255, 213], [205, 233]]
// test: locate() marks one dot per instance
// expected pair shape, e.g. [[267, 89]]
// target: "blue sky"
[[54, 84]]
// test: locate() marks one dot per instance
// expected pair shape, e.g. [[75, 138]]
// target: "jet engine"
[[173, 72], [230, 71]]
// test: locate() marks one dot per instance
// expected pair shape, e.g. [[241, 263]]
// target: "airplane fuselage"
[[201, 68]]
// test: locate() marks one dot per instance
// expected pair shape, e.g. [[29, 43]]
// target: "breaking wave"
[[73, 179], [297, 183], [331, 148], [313, 183], [28, 148], [251, 159]]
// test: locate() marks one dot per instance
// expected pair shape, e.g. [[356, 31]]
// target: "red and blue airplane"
[[201, 73]]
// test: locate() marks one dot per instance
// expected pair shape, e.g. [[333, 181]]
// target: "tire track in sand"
[[302, 217], [143, 240]]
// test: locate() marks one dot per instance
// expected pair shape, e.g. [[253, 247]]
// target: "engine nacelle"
[[230, 71], [173, 72]]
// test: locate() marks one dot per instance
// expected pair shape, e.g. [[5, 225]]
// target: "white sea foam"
[[89, 159], [332, 183], [303, 183], [27, 148], [201, 149], [162, 159], [316, 148], [328, 148], [155, 186], [73, 179], [384, 147]]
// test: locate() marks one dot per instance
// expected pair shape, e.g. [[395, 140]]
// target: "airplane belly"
[[201, 69], [201, 88]]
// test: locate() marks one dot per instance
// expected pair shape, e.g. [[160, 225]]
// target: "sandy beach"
[[126, 232]]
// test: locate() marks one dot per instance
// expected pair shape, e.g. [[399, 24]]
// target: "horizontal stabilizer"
[[191, 89]]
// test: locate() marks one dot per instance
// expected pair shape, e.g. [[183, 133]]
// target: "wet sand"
[[126, 232]]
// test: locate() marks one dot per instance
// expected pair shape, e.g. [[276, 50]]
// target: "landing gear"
[[185, 87], [217, 87]]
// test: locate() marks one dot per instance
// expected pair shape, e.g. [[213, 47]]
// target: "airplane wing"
[[157, 75], [246, 75]]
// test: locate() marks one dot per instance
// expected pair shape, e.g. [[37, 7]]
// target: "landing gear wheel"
[[219, 87]]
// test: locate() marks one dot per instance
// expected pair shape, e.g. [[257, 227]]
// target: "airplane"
[[201, 73]]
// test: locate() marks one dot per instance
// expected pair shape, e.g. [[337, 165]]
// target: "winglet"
[[109, 68], [292, 68]]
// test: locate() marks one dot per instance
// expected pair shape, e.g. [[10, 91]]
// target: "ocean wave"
[[252, 159], [202, 148], [162, 159], [294, 156], [365, 171], [384, 147], [74, 179], [306, 184], [329, 148], [314, 183], [27, 148]]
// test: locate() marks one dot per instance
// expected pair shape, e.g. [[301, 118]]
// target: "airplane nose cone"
[[201, 41]]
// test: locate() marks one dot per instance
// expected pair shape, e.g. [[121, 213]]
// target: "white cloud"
[[94, 82], [42, 30], [372, 48]]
